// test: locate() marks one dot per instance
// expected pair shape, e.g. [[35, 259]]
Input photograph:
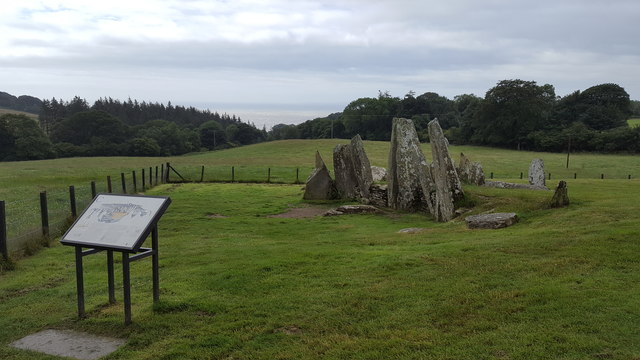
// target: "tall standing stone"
[[319, 185], [448, 186], [361, 167], [408, 176], [346, 183], [536, 173]]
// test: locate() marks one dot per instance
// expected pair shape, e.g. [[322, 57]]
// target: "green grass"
[[634, 122], [20, 182], [561, 284]]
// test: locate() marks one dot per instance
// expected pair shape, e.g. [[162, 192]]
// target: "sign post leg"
[[79, 282], [126, 284], [154, 264], [111, 277]]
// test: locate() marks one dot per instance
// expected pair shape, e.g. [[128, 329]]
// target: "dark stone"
[[560, 197], [352, 170], [491, 221], [378, 195], [319, 185]]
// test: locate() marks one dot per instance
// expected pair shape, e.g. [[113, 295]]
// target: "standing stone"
[[353, 170], [361, 167], [536, 173], [319, 185], [560, 197], [346, 182], [470, 172], [448, 186], [408, 176]]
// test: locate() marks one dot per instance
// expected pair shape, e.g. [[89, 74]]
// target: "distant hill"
[[11, 111], [23, 103]]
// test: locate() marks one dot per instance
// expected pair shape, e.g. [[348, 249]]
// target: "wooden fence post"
[[202, 174], [575, 175], [44, 214], [269, 175], [124, 183], [162, 177], [233, 173], [109, 188], [150, 177], [93, 190], [297, 175], [135, 182], [143, 180], [156, 174], [167, 178], [3, 231], [602, 176], [72, 201]]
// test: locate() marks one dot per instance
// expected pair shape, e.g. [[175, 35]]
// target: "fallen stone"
[[378, 195], [414, 230], [491, 221], [447, 183], [69, 343], [560, 196], [536, 173], [378, 173], [353, 209], [319, 185], [408, 174], [508, 185]]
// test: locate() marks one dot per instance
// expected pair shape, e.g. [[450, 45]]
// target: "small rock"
[[378, 195], [491, 221], [414, 230]]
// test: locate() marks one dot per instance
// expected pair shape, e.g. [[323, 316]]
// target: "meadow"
[[634, 122], [239, 284]]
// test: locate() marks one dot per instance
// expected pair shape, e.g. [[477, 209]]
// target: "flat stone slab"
[[69, 343], [353, 209], [508, 185], [491, 221]]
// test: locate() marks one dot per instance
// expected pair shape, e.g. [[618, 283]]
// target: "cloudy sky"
[[273, 61]]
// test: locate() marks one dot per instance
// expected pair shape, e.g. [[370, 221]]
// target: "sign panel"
[[120, 222]]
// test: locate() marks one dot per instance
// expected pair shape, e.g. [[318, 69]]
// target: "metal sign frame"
[[130, 253]]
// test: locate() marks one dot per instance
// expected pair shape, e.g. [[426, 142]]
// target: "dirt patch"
[[300, 213], [216, 216], [289, 330]]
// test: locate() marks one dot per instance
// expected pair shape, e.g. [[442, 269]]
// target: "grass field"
[[20, 182], [561, 284], [634, 122]]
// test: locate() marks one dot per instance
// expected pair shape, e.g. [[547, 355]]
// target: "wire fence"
[[27, 224]]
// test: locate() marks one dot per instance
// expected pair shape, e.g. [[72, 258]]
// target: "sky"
[[283, 61]]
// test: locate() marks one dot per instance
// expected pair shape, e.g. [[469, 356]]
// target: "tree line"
[[514, 114], [111, 127]]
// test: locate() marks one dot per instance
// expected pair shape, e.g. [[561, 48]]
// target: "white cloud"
[[294, 52]]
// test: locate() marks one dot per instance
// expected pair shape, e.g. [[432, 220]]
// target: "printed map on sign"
[[114, 220]]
